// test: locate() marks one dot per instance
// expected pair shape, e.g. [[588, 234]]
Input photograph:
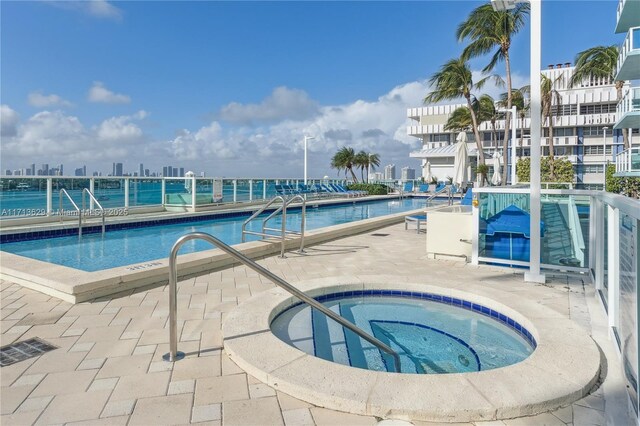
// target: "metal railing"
[[446, 189], [93, 198], [284, 233], [174, 355], [61, 210], [628, 161]]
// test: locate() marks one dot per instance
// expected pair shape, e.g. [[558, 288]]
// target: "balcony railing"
[[630, 102], [628, 70], [628, 161]]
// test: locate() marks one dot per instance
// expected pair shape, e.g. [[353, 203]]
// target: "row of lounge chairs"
[[425, 188], [318, 190]]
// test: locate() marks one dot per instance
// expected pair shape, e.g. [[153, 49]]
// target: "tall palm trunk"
[[476, 134], [355, 178], [507, 124], [551, 150], [625, 132]]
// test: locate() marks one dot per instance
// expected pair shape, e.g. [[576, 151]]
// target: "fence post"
[[235, 191], [50, 197], [250, 189], [264, 189], [126, 192]]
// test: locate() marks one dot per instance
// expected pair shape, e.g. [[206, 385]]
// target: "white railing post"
[[264, 189], [235, 191], [126, 192], [596, 231], [50, 197], [193, 193], [92, 188], [163, 190], [250, 189], [613, 300], [475, 233]]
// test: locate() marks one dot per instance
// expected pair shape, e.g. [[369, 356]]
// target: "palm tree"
[[459, 120], [374, 161], [344, 159], [549, 97], [365, 161], [519, 99], [486, 110], [452, 81], [490, 30], [599, 63]]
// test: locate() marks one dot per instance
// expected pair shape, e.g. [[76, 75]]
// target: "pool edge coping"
[[564, 367], [75, 286]]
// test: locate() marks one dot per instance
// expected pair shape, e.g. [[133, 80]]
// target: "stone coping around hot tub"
[[563, 368], [75, 286]]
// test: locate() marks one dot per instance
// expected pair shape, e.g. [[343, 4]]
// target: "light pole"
[[514, 123], [535, 14], [604, 156], [306, 138]]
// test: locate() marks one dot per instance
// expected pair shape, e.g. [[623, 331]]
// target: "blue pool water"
[[431, 337], [95, 252]]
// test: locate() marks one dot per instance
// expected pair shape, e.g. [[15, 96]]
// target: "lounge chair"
[[424, 188], [418, 219], [355, 191], [408, 187], [467, 199], [343, 191]]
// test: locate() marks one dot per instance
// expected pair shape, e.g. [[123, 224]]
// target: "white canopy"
[[496, 179], [461, 160], [426, 171]]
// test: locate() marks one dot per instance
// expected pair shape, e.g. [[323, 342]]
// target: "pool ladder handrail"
[[283, 231], [447, 188], [174, 355], [61, 210], [93, 198]]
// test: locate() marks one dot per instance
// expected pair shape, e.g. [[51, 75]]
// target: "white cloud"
[[96, 8], [57, 137], [40, 100], [8, 121], [283, 103], [99, 93]]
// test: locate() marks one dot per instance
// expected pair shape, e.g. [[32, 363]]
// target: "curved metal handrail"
[[174, 355], [283, 209], [86, 190], [446, 188], [61, 210], [257, 213]]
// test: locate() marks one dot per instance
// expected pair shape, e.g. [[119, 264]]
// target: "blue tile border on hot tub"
[[447, 300]]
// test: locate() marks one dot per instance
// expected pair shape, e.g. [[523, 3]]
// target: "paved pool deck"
[[109, 370]]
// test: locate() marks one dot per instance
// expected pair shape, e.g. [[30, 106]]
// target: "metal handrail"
[[61, 210], [86, 190], [284, 231], [446, 188], [174, 355], [259, 212]]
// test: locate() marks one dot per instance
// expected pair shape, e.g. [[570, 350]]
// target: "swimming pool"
[[145, 243], [431, 334]]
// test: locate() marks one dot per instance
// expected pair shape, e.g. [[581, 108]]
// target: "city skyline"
[[210, 108]]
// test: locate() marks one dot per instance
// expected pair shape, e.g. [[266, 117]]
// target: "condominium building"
[[408, 173], [583, 130], [628, 69], [390, 171]]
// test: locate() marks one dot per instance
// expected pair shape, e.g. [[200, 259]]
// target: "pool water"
[[430, 337], [94, 252]]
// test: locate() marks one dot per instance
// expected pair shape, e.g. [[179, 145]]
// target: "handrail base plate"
[[167, 357]]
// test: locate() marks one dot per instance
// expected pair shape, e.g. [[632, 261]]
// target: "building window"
[[570, 109], [596, 149], [439, 137], [598, 108], [589, 168], [594, 131]]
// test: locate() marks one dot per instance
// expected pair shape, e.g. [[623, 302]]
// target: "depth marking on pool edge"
[[143, 266]]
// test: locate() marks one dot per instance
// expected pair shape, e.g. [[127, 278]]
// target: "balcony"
[[629, 56], [416, 130], [628, 162], [627, 15], [629, 110]]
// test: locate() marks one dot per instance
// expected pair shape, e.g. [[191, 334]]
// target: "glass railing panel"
[[145, 192], [74, 188], [109, 192], [23, 197], [566, 230], [177, 192]]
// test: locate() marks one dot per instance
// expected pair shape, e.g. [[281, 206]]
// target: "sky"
[[231, 88]]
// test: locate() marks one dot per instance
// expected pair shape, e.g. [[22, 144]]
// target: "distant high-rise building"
[[79, 172], [165, 171], [140, 169], [181, 172], [45, 169], [61, 170], [408, 173], [33, 169], [117, 169], [390, 171], [174, 173], [8, 172], [146, 172]]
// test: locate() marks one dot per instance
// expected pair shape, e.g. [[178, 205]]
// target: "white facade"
[[582, 130], [408, 173], [390, 171]]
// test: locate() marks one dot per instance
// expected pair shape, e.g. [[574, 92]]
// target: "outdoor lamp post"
[[535, 14], [514, 124], [306, 138], [604, 156]]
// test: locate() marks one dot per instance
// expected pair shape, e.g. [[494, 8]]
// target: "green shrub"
[[629, 186], [371, 188], [562, 167]]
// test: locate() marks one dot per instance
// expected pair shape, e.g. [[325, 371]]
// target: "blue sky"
[[231, 87]]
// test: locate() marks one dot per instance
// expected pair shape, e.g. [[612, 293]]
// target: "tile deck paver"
[[111, 348]]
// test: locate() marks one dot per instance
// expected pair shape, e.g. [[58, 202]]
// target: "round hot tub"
[[432, 334], [498, 357]]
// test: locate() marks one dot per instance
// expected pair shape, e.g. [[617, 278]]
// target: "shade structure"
[[496, 179], [426, 171], [461, 160]]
